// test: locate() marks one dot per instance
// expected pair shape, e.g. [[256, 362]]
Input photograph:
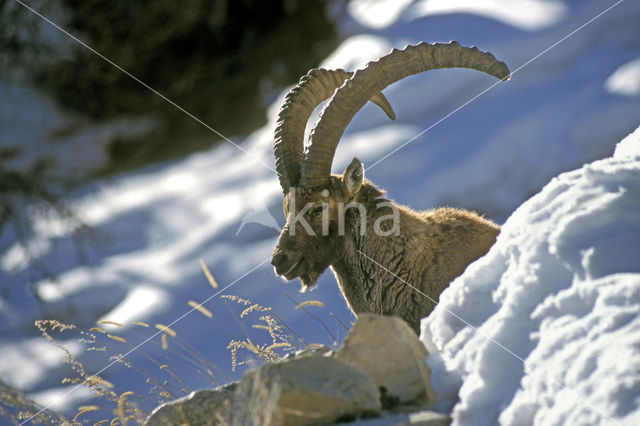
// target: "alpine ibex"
[[374, 246]]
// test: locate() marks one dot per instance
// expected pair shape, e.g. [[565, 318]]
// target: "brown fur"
[[431, 249]]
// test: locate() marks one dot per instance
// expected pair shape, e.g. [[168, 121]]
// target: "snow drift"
[[545, 329]]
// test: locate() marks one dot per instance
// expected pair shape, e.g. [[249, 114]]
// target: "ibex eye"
[[317, 211]]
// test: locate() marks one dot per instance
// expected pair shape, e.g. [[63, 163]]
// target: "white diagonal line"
[[500, 345], [172, 103], [495, 84], [120, 357]]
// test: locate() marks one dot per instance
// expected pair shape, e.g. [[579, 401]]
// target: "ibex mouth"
[[288, 274], [298, 269], [284, 264]]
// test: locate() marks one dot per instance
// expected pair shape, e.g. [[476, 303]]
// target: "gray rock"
[[391, 354], [311, 389], [203, 407], [312, 349], [380, 365]]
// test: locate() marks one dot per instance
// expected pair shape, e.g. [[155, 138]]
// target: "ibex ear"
[[353, 177]]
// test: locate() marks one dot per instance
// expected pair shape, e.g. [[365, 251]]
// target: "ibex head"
[[314, 199]]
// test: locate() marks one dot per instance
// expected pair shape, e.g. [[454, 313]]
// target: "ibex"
[[374, 246]]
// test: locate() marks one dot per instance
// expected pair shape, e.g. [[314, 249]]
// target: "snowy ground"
[[545, 328], [568, 107]]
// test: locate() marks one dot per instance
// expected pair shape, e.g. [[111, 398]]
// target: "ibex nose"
[[278, 259]]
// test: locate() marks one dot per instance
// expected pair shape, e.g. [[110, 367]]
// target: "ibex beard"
[[388, 259]]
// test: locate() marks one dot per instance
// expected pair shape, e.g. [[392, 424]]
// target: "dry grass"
[[174, 367], [163, 383], [279, 343], [110, 401], [17, 407]]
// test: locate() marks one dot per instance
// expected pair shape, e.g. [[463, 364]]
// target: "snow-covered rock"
[[545, 329]]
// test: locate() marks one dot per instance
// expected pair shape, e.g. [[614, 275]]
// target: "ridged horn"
[[312, 89], [351, 97]]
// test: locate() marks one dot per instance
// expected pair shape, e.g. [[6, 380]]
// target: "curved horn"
[[313, 88], [349, 99]]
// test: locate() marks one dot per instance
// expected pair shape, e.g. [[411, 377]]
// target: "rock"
[[391, 354], [380, 365], [312, 349], [309, 389], [203, 407]]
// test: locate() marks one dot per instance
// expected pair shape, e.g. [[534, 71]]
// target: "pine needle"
[[142, 324]]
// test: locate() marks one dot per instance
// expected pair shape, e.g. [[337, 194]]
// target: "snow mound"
[[545, 328]]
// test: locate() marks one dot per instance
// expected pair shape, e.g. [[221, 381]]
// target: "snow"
[[377, 14], [35, 358], [524, 14], [558, 289], [545, 328], [73, 399], [626, 79]]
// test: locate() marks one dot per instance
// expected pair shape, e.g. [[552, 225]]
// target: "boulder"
[[204, 407], [312, 349], [309, 389], [380, 365], [390, 353]]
